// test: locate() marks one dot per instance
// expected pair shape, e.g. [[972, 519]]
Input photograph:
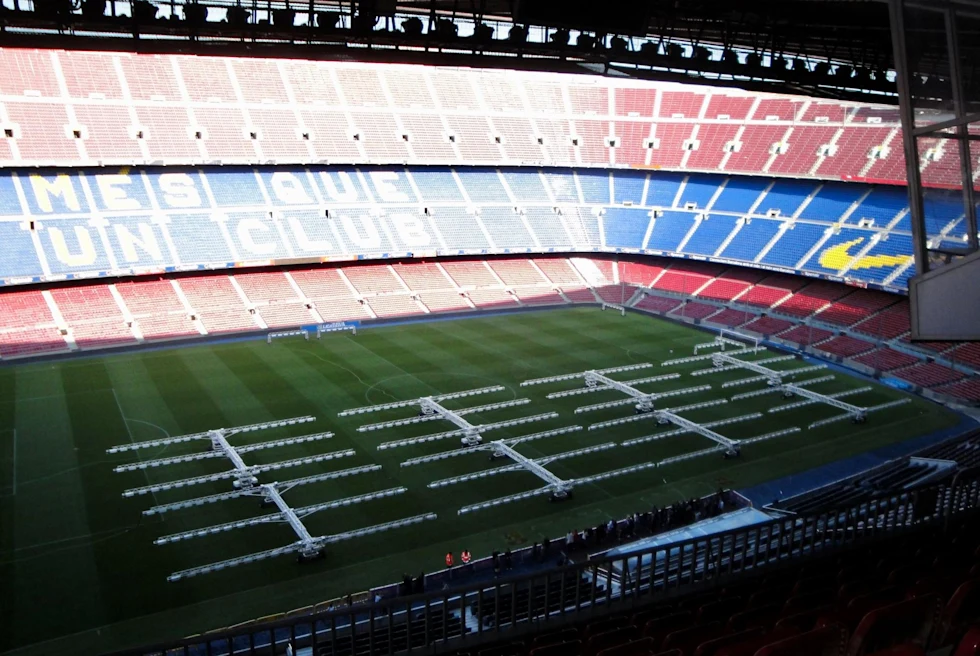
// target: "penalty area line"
[[129, 431], [122, 415]]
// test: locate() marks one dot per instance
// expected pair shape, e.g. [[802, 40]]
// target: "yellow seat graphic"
[[837, 257]]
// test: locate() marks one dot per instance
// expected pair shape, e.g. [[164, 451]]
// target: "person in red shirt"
[[449, 559], [465, 557]]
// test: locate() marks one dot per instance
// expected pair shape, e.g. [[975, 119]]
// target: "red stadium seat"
[[509, 649], [763, 616], [687, 640], [611, 638], [719, 610], [659, 628], [715, 645], [969, 644], [825, 641], [808, 619], [641, 647], [554, 637], [962, 610], [901, 650], [603, 625], [568, 648], [908, 621], [748, 646]]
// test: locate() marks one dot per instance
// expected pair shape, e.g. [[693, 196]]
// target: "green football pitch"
[[78, 569]]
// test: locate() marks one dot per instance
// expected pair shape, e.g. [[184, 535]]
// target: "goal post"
[[727, 337], [614, 306], [734, 335], [336, 327], [282, 334]]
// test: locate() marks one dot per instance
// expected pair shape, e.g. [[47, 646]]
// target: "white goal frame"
[[726, 333], [614, 306], [338, 327], [287, 333]]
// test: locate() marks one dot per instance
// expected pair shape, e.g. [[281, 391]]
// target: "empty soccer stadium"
[[324, 336]]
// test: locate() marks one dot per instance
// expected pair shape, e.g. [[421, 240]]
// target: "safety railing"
[[509, 607]]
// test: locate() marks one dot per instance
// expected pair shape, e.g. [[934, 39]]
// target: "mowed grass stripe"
[[52, 545], [8, 525], [97, 424]]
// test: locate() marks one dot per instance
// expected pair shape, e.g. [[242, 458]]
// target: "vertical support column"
[[896, 9], [962, 130]]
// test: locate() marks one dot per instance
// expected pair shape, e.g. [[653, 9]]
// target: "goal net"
[[336, 327], [614, 306], [282, 334], [741, 338]]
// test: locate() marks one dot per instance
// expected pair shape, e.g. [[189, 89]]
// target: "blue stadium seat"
[[548, 228], [883, 204], [626, 227], [459, 228], [941, 207], [663, 188], [710, 234], [699, 190], [669, 230], [198, 239], [562, 185], [483, 186], [595, 186], [9, 203], [186, 217], [17, 255], [436, 184], [506, 228], [235, 188], [526, 185], [794, 244], [786, 196], [740, 194], [751, 239], [832, 201], [628, 186]]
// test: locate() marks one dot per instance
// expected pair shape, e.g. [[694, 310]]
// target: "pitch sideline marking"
[[146, 423]]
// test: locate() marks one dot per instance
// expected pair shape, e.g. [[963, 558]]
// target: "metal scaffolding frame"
[[947, 67]]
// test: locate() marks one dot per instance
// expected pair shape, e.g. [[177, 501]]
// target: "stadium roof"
[[829, 48]]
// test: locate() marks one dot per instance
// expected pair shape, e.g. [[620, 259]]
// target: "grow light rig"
[[432, 409], [245, 483], [776, 383]]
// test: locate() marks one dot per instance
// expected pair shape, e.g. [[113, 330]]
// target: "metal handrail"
[[511, 606]]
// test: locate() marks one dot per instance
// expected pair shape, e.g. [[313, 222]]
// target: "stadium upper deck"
[[88, 108], [85, 223]]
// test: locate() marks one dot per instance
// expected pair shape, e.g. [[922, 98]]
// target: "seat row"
[[900, 598], [122, 108], [833, 320]]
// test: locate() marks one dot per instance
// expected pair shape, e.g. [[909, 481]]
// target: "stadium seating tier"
[[382, 111]]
